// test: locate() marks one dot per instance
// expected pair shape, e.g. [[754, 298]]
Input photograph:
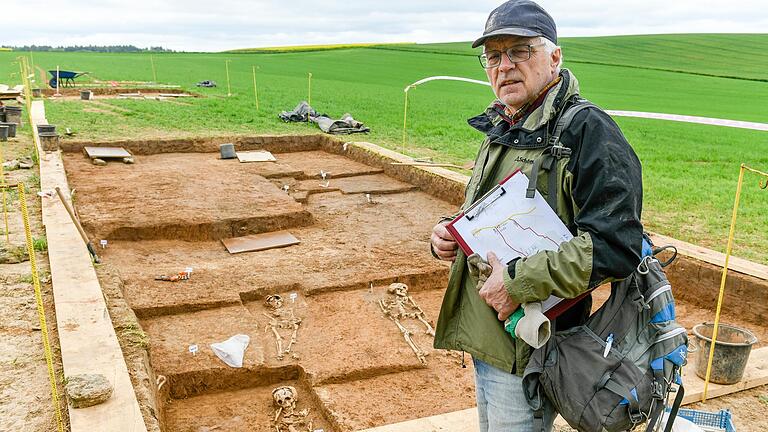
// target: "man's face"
[[517, 83]]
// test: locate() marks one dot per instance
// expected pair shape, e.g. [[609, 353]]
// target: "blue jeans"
[[501, 404]]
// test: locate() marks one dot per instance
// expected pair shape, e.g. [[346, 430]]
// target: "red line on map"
[[534, 232], [507, 243]]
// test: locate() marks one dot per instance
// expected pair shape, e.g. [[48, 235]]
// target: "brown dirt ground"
[[351, 365], [25, 392]]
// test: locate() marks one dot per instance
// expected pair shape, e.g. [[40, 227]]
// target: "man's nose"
[[506, 64]]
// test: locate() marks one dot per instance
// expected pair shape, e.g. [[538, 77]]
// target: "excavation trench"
[[363, 227]]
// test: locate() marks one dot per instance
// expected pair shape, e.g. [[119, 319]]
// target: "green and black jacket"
[[599, 200]]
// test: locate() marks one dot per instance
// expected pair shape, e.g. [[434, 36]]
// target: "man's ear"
[[555, 58]]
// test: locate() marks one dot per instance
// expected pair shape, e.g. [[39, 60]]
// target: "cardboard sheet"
[[107, 152], [255, 156]]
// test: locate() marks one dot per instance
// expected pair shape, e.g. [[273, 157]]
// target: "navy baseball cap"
[[518, 18]]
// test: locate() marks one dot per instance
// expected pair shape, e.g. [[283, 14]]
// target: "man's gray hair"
[[549, 48]]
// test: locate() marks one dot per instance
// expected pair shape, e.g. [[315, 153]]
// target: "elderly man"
[[597, 194]]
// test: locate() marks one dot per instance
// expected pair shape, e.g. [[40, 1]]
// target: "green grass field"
[[690, 170]]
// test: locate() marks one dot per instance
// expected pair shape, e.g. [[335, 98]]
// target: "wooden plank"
[[255, 156], [86, 334], [756, 374], [107, 152], [258, 242], [713, 257]]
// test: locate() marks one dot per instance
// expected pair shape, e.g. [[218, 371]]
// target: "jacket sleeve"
[[606, 196]]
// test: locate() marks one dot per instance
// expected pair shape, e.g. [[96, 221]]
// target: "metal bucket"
[[3, 133], [46, 128], [731, 352], [86, 95], [11, 128], [227, 151]]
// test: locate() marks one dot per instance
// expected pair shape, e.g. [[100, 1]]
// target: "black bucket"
[[45, 128], [49, 141], [732, 350], [3, 133], [13, 114], [86, 94], [11, 128], [36, 92], [2, 113]]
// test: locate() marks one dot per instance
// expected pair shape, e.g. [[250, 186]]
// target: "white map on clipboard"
[[511, 225]]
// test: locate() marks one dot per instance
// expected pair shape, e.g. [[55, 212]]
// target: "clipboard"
[[503, 194]]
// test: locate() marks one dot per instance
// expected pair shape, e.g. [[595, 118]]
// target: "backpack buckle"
[[657, 391], [636, 417], [559, 151]]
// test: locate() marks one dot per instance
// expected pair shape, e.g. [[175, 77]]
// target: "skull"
[[398, 289], [274, 301], [285, 396]]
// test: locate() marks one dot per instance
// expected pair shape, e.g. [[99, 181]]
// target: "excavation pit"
[[362, 227]]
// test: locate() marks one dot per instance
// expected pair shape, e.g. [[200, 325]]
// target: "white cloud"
[[199, 25]]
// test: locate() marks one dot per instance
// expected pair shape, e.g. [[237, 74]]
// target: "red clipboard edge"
[[462, 244], [564, 305]]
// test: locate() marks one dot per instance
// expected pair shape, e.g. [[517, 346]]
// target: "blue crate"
[[722, 420]]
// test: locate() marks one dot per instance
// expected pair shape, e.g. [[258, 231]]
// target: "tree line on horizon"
[[87, 48]]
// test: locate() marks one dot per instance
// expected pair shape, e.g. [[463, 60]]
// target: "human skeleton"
[[287, 418], [402, 306], [281, 318]]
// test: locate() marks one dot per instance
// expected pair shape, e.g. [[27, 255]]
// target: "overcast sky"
[[196, 25]]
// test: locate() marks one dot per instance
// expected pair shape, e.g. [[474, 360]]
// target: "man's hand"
[[443, 243], [493, 291]]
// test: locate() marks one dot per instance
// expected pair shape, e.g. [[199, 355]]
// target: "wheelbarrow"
[[66, 78]]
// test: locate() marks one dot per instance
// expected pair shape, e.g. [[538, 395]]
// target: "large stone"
[[10, 254], [86, 390], [11, 165], [26, 163]]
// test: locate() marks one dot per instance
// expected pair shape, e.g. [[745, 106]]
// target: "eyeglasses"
[[515, 54]]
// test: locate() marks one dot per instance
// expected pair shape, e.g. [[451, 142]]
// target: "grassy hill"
[[689, 170], [724, 55]]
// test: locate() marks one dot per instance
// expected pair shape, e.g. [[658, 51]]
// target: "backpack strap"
[[675, 408], [635, 414], [554, 151]]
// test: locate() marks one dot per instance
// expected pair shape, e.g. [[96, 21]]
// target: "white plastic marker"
[[344, 147], [188, 271], [371, 286], [57, 81], [193, 349], [368, 197], [103, 244], [293, 297]]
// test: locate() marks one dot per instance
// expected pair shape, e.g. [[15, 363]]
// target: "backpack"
[[616, 370]]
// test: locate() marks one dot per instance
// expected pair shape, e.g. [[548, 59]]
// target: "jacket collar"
[[492, 122]]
